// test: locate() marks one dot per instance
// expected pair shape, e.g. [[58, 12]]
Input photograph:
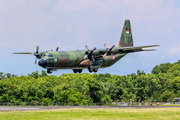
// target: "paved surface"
[[27, 108]]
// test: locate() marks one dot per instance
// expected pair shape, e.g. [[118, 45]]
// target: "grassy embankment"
[[94, 114]]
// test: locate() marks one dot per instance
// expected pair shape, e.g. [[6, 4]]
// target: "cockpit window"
[[50, 55], [43, 56], [46, 56]]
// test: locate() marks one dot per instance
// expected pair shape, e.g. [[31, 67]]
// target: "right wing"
[[31, 53]]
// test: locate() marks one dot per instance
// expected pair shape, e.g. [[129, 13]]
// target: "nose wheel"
[[49, 71]]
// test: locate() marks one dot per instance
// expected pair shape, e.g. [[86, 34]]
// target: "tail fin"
[[126, 35]]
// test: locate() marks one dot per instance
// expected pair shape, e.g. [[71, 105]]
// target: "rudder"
[[126, 35]]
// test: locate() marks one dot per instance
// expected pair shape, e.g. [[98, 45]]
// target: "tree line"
[[162, 84]]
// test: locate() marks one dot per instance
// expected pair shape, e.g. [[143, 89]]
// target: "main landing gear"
[[91, 70], [49, 71], [77, 70]]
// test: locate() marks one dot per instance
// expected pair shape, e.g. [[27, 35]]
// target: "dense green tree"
[[43, 74], [163, 84], [6, 75], [162, 68], [34, 74]]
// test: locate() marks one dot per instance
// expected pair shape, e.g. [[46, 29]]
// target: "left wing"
[[118, 50], [132, 49]]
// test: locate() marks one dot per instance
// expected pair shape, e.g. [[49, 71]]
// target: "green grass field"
[[94, 114]]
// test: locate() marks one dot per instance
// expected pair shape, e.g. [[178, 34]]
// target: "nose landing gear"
[[49, 71]]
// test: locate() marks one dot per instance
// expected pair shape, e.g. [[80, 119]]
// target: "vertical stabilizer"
[[126, 35]]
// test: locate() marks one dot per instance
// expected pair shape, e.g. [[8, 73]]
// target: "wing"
[[133, 49], [119, 50], [24, 53], [31, 53]]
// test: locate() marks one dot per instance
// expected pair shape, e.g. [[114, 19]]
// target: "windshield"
[[47, 55], [50, 55]]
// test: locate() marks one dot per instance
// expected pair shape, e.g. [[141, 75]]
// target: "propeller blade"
[[108, 52], [85, 56], [104, 55], [89, 53], [93, 50], [57, 48], [105, 45], [112, 47], [35, 60], [92, 58], [37, 49], [86, 47], [36, 53]]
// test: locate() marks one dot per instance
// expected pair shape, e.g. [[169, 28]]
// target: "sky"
[[72, 24]]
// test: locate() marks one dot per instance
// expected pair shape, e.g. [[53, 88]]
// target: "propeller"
[[89, 53], [108, 50], [57, 48], [36, 54]]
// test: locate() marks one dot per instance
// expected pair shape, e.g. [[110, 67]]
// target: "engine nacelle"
[[85, 63]]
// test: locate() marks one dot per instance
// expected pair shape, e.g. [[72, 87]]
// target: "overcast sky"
[[72, 24]]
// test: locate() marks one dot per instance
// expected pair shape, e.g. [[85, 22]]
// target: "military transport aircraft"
[[91, 59]]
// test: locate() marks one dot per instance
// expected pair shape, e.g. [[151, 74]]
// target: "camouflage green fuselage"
[[91, 59], [75, 60]]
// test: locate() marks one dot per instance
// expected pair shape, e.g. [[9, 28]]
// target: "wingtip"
[[157, 45], [14, 53], [149, 49]]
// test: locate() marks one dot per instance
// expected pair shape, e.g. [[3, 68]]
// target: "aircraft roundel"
[[113, 57]]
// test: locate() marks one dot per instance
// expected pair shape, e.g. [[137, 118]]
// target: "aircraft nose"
[[42, 63]]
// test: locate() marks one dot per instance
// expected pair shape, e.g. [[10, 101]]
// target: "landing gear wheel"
[[75, 71], [95, 70], [90, 70], [80, 70], [49, 71]]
